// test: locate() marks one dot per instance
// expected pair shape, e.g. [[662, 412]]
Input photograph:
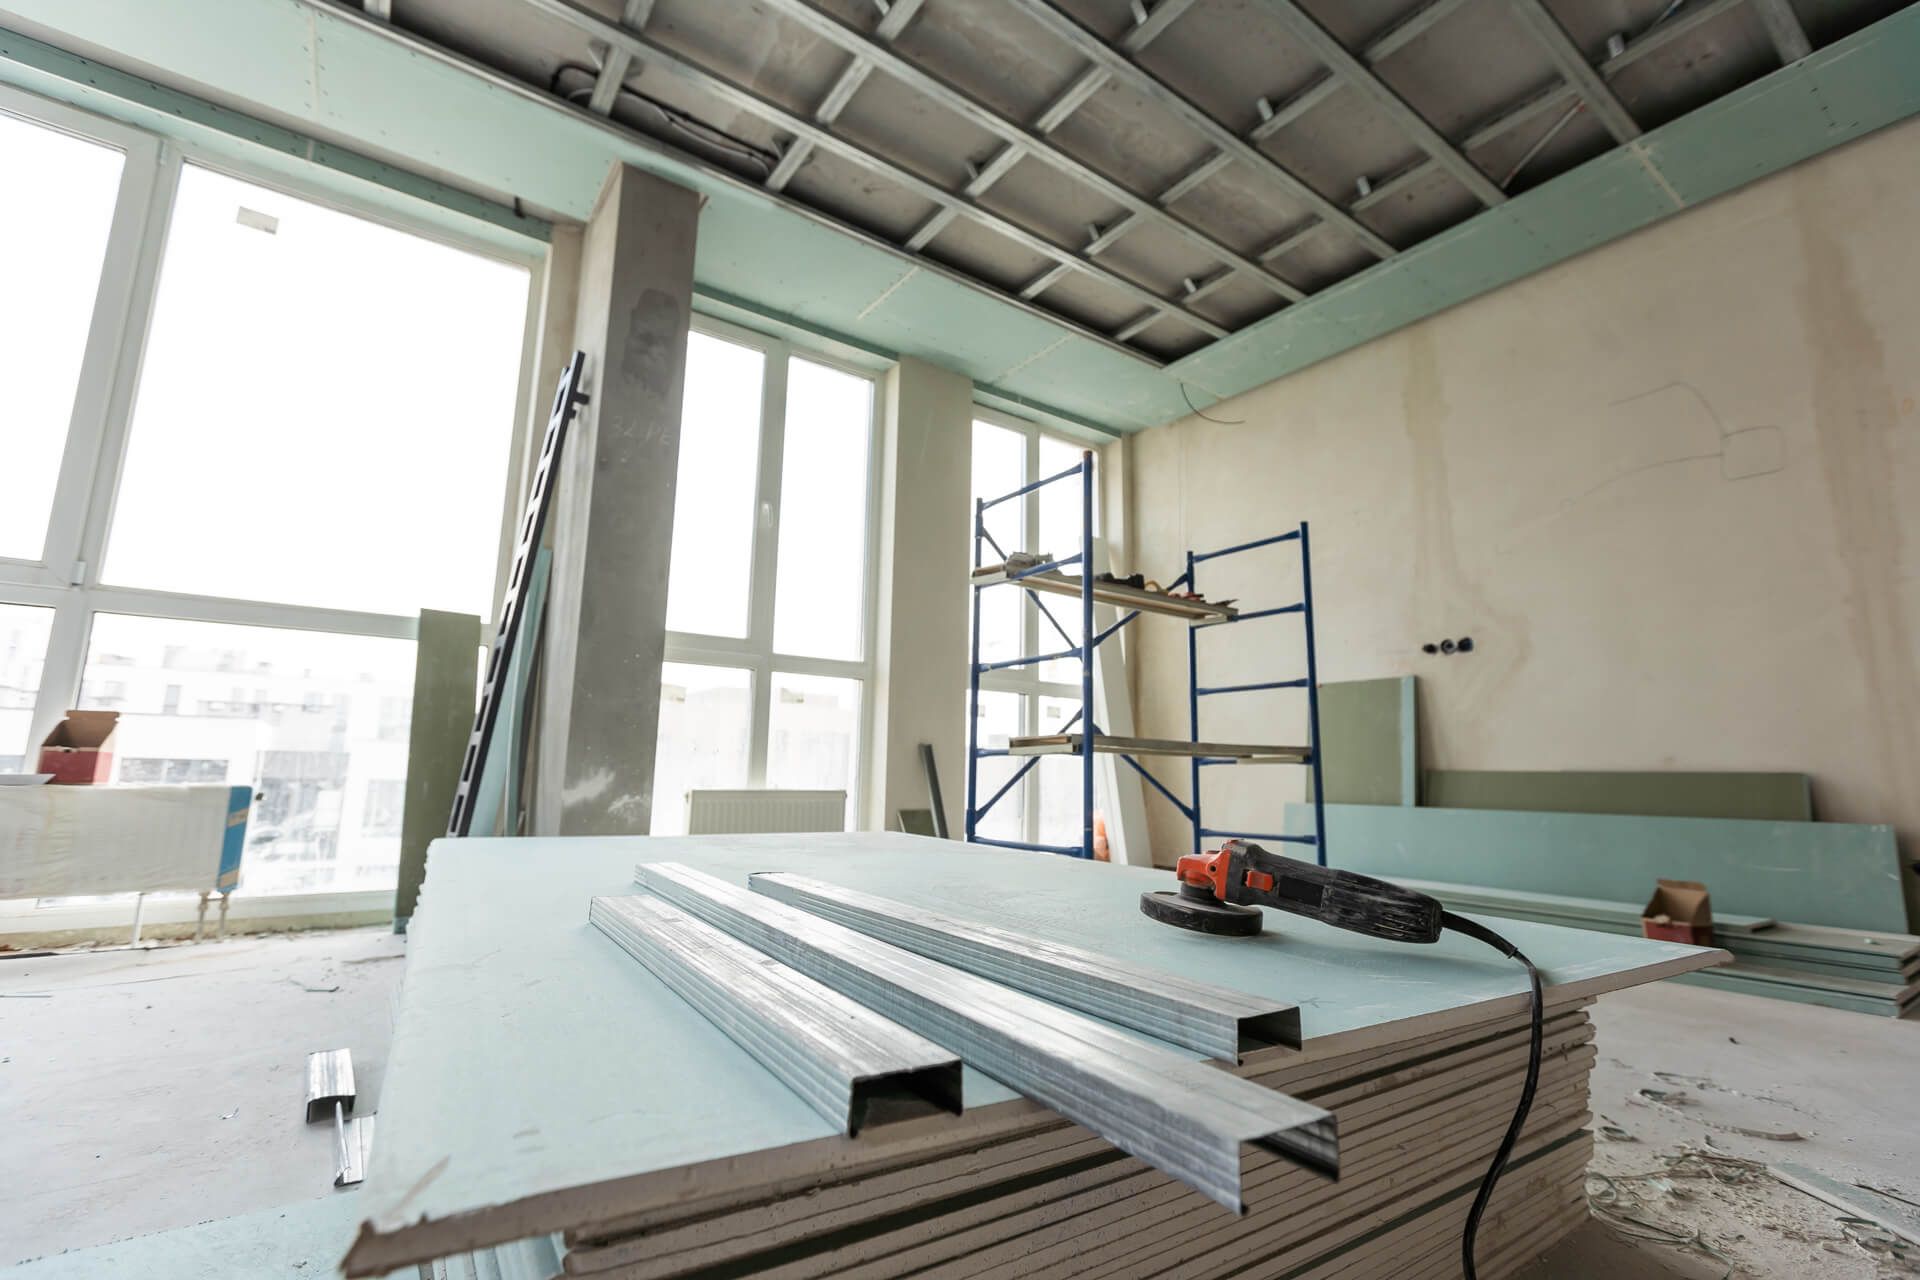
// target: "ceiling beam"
[[1057, 112], [1354, 73], [744, 99], [977, 113], [1125, 68], [1574, 68], [1784, 29], [613, 72], [891, 24]]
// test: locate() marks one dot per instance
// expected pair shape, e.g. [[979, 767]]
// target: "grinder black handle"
[[1343, 899]]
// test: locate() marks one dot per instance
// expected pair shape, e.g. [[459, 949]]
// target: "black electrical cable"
[[1460, 924]]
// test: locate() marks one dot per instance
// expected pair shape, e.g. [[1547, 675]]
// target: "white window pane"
[[999, 467], [813, 735], [998, 720], [303, 362], [819, 602], [706, 717], [23, 648], [1059, 779], [1060, 521], [316, 723], [55, 222], [712, 568]]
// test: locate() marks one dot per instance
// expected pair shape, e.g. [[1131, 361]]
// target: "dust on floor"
[[1696, 1093], [143, 1090]]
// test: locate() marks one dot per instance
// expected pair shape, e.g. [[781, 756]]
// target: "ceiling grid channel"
[[738, 96], [1559, 96], [1031, 142]]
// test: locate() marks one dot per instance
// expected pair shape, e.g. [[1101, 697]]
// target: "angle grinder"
[[1221, 893]]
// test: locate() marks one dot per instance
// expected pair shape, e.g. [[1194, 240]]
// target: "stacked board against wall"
[[545, 1084], [1853, 969]]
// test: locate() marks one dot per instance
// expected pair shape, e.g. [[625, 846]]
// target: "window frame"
[[1026, 681], [755, 653], [67, 576]]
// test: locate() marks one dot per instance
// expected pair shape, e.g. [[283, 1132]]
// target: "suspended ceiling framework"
[[1106, 209], [1162, 175]]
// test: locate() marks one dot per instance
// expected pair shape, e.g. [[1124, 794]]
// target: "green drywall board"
[[302, 1241], [496, 798], [1368, 741], [446, 669], [1772, 797], [1594, 203], [1798, 995], [1831, 873], [508, 984]]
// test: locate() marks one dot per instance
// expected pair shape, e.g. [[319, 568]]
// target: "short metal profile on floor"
[[1036, 574]]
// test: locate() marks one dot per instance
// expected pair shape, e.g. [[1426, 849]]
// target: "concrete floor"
[[153, 1089], [147, 1090]]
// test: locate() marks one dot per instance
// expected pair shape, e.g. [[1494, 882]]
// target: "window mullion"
[[111, 453], [114, 302], [60, 672], [766, 554]]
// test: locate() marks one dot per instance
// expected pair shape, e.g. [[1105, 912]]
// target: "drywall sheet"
[[1367, 741], [297, 1242], [1760, 797], [446, 666], [540, 1079], [1831, 873], [76, 841]]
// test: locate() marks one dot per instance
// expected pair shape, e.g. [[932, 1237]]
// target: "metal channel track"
[[1185, 1117], [852, 1066], [1208, 1019]]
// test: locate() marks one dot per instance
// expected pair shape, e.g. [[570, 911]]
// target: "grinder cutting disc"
[[1200, 911]]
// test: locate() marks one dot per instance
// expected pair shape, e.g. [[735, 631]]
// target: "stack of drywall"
[[543, 1081], [1854, 969], [1419, 1122]]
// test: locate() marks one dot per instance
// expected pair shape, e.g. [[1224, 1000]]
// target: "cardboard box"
[[1679, 911], [79, 751]]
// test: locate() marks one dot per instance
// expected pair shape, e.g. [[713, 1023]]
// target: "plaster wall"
[[1671, 488]]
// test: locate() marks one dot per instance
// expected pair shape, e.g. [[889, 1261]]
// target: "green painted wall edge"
[[1850, 88], [217, 133]]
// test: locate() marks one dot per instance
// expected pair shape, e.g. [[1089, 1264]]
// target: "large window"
[[1044, 807], [248, 436], [302, 363], [769, 598]]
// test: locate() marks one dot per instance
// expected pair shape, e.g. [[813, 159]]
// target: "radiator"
[[719, 813]]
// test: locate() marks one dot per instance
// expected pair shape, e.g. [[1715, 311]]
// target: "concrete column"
[[605, 628], [920, 662]]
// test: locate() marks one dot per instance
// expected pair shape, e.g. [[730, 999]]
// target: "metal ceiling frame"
[[1574, 68], [1580, 84], [982, 116], [617, 37], [892, 23], [1354, 73], [1559, 95]]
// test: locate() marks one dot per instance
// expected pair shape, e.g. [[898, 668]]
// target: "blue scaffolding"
[[1035, 577]]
